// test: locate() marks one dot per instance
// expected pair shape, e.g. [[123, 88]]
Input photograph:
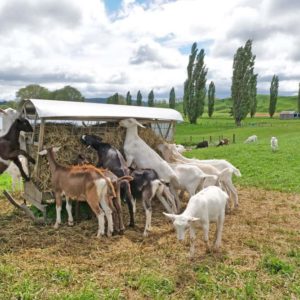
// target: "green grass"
[[260, 167]]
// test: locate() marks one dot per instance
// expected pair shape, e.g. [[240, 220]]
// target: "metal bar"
[[168, 130], [40, 147]]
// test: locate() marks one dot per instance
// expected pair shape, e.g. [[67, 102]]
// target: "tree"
[[151, 99], [172, 98], [273, 95], [33, 91], [116, 99], [194, 86], [67, 93], [299, 98], [139, 98], [128, 98], [253, 92], [243, 71], [211, 98]]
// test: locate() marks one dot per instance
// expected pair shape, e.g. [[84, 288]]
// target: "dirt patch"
[[265, 221]]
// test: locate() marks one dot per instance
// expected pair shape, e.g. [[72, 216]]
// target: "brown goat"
[[83, 183]]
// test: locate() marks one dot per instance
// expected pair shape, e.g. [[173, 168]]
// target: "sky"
[[106, 46]]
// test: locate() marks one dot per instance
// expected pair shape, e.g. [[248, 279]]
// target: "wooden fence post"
[[233, 138]]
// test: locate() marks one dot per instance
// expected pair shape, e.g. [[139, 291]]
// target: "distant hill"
[[96, 100], [223, 105]]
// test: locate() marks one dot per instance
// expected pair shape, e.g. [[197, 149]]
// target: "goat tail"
[[236, 172], [224, 174], [111, 186]]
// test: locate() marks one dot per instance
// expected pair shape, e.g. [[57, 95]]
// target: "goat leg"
[[19, 165], [18, 152]]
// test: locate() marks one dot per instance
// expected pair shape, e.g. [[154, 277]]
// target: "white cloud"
[[54, 43]]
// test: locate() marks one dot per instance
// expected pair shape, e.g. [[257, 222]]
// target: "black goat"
[[203, 144], [145, 186], [10, 146], [111, 158], [223, 142]]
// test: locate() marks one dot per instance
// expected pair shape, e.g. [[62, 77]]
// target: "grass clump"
[[152, 285], [275, 265]]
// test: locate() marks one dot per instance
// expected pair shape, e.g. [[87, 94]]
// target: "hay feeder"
[[61, 123]]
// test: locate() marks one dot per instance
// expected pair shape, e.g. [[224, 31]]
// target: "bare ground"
[[266, 222]]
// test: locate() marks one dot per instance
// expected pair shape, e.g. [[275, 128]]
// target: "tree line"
[[243, 87]]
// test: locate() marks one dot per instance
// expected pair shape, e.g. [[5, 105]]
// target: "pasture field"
[[259, 259]]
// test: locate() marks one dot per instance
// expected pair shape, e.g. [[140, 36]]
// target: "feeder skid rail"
[[25, 209]]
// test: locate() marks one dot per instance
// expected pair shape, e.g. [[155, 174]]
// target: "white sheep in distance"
[[274, 143], [251, 139], [137, 151], [207, 206]]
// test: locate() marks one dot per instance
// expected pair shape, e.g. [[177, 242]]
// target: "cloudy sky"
[[107, 46]]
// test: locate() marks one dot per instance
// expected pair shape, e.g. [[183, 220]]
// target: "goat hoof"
[[121, 232], [145, 234], [71, 223], [109, 234], [56, 225], [131, 224]]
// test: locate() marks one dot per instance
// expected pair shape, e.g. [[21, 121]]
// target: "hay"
[[67, 136]]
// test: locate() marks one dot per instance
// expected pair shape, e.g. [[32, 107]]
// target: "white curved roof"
[[68, 110]]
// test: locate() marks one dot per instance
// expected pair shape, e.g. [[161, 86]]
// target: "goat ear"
[[138, 123], [170, 216], [55, 149], [43, 152]]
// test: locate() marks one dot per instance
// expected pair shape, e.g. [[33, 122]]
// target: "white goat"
[[180, 148], [251, 139], [16, 178], [274, 143], [191, 178], [137, 151], [219, 167], [208, 206]]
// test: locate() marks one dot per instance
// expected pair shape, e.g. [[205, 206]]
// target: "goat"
[[116, 201], [274, 143], [111, 158], [191, 178], [203, 208], [82, 183], [146, 185], [223, 142], [203, 144], [138, 152], [210, 167], [180, 148], [10, 146], [251, 139]]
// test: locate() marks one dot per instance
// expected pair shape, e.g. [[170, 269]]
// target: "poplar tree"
[[299, 98], [128, 98], [273, 95], [194, 86], [243, 72], [139, 98], [172, 98], [211, 98], [253, 93], [151, 99]]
